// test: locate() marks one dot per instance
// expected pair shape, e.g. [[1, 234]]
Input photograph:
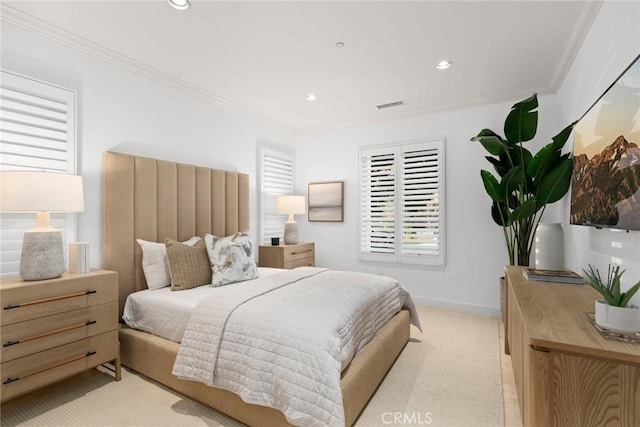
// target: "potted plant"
[[614, 313], [525, 183]]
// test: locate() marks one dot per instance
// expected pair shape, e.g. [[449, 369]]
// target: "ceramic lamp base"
[[290, 233], [42, 255]]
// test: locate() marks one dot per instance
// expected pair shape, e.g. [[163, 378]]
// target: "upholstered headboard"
[[152, 199]]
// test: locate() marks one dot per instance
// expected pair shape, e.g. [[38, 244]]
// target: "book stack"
[[562, 276]]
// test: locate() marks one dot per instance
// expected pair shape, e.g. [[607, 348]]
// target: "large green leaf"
[[560, 139], [549, 156], [525, 210], [492, 144], [522, 121], [500, 214], [520, 156], [555, 184], [512, 180], [487, 132], [491, 185], [501, 164]]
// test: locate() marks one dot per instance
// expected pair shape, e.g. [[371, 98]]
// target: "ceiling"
[[265, 57]]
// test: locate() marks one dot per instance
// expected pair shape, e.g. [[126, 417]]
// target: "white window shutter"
[[276, 180], [37, 132], [377, 202], [402, 203], [421, 215]]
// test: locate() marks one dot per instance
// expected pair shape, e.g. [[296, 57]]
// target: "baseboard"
[[458, 306]]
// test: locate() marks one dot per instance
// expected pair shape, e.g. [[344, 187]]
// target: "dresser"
[[52, 329], [566, 373], [288, 256]]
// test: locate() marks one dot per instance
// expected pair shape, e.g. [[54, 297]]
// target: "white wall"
[[474, 246], [119, 111], [475, 249], [610, 46]]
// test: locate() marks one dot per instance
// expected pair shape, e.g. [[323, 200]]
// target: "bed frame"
[[152, 199]]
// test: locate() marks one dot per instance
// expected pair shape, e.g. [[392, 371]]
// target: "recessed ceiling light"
[[444, 64], [180, 4], [311, 97], [340, 44]]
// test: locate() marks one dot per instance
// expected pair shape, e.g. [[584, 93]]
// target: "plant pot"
[[618, 319]]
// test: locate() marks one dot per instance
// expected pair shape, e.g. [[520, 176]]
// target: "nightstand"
[[53, 329], [288, 256]]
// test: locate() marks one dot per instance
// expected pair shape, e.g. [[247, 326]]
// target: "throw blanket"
[[283, 342]]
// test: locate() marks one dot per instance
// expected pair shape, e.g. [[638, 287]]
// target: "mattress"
[[166, 313]]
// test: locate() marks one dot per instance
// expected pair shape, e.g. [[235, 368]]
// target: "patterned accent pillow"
[[154, 262], [231, 258], [188, 265]]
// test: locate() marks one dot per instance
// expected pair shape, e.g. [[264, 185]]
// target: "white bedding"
[[165, 313], [296, 331]]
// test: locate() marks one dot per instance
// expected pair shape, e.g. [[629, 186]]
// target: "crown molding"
[[588, 12], [24, 21]]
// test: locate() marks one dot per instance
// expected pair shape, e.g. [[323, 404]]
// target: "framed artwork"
[[326, 201]]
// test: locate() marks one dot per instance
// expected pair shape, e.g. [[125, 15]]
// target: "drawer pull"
[[57, 331], [66, 362], [303, 252], [40, 301]]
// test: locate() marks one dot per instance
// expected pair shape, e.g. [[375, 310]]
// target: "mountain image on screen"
[[606, 187]]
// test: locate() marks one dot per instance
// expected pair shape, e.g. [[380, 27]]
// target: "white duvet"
[[283, 341]]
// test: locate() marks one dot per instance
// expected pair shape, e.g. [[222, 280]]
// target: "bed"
[[151, 199]]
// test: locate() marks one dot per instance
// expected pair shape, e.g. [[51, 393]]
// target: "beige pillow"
[[188, 265], [154, 262]]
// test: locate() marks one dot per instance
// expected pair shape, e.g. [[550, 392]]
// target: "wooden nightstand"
[[52, 329], [288, 256]]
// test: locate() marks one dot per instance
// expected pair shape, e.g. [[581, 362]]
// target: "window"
[[37, 132], [276, 180], [402, 203]]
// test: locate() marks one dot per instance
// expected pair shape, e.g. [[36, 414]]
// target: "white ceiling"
[[265, 57]]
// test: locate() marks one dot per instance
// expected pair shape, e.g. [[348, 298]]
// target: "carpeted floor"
[[448, 375]]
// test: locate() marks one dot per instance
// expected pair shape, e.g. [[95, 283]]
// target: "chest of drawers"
[[52, 329], [288, 256]]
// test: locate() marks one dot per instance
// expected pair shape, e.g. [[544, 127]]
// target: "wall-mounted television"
[[605, 183]]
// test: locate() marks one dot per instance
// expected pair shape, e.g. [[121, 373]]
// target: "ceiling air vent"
[[389, 105]]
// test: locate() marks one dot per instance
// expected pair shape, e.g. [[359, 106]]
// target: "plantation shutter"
[[37, 132], [421, 213], [277, 180], [402, 203], [377, 202]]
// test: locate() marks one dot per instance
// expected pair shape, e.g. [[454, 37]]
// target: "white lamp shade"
[[31, 191], [290, 205]]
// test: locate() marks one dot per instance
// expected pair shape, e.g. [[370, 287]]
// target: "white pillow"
[[231, 258], [154, 262]]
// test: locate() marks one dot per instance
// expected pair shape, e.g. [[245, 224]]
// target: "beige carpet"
[[449, 375]]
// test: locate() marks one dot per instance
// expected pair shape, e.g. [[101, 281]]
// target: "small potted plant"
[[614, 313]]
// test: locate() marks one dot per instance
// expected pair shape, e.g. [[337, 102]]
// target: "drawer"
[[304, 262], [28, 373], [31, 336], [29, 300], [297, 252]]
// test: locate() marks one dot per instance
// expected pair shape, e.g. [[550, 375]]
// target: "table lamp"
[[42, 254], [292, 205]]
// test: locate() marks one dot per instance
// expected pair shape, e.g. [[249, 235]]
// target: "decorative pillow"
[[231, 258], [188, 265], [154, 262]]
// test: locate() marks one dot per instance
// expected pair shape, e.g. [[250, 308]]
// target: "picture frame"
[[326, 201]]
